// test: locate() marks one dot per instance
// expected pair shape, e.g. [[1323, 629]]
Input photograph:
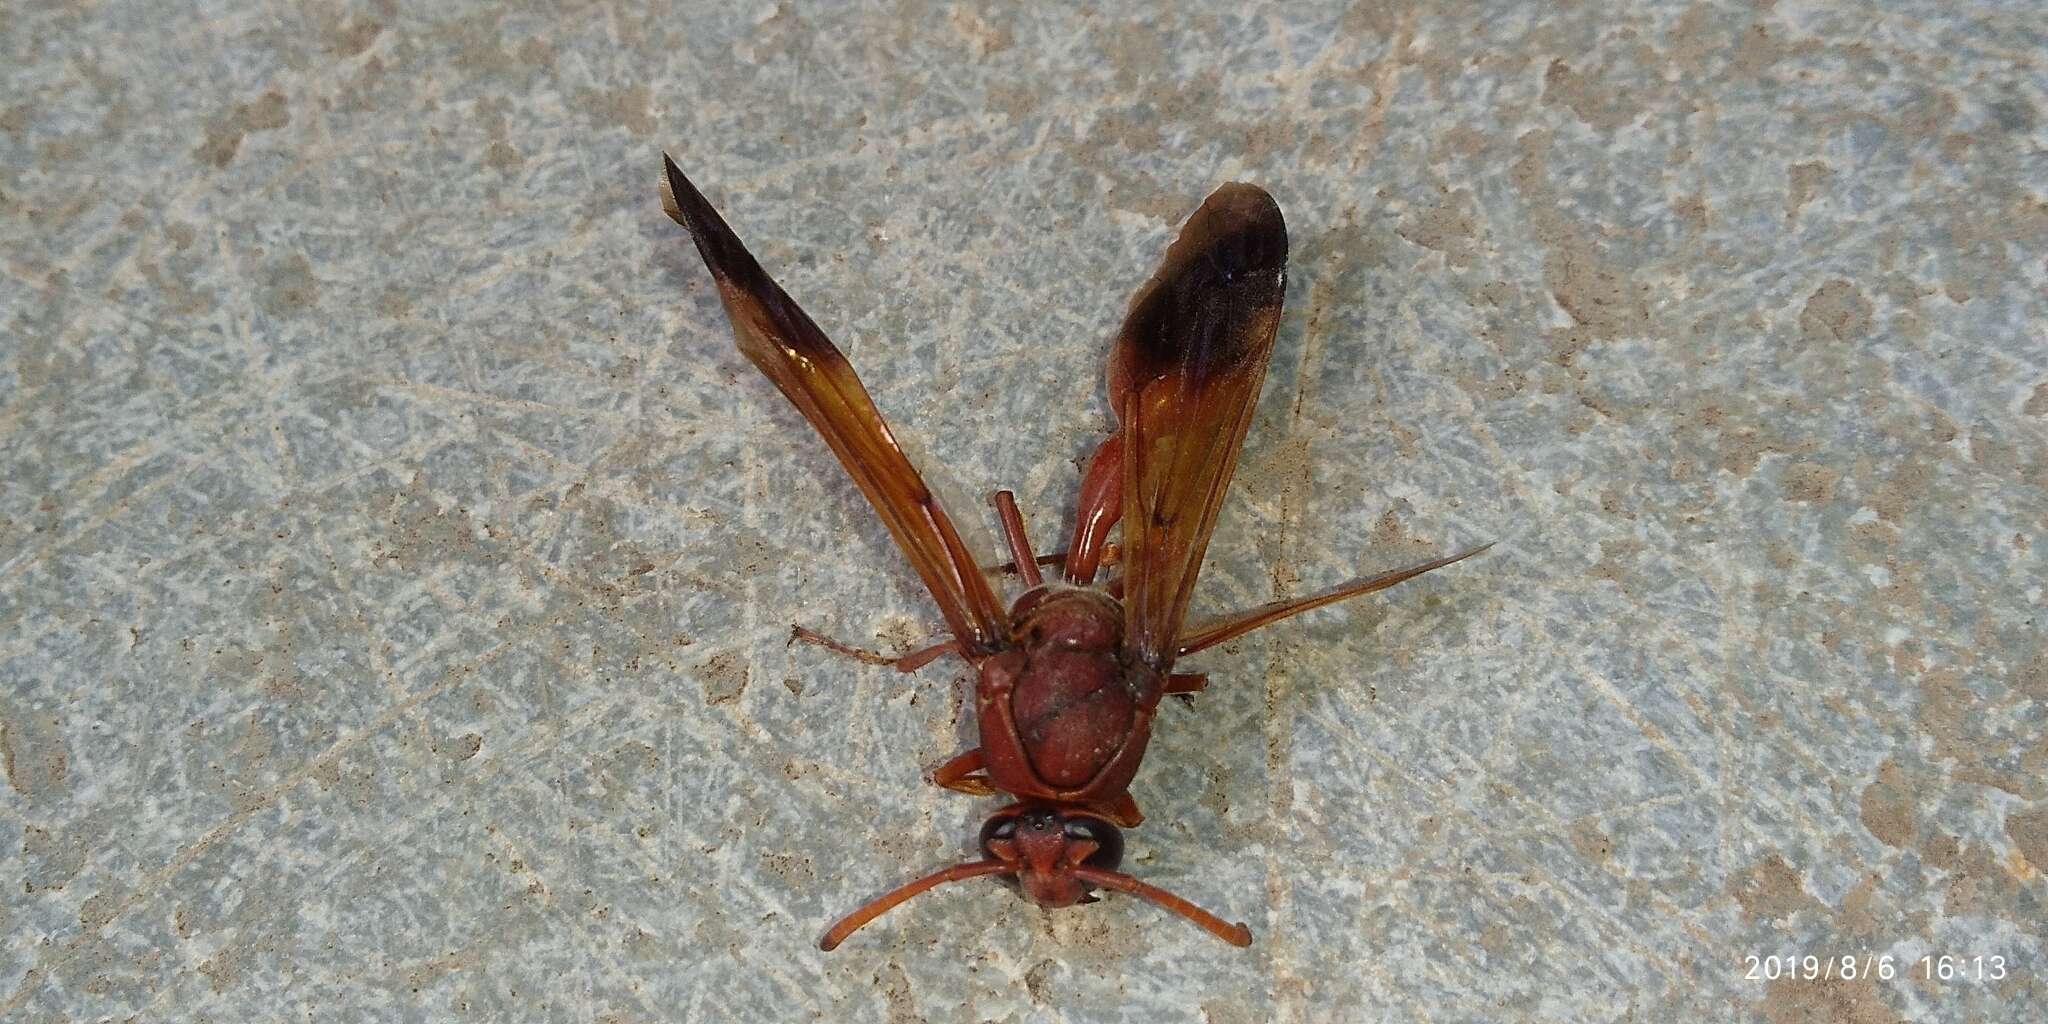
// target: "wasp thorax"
[[1071, 617]]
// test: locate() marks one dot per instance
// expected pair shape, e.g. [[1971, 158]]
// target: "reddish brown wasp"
[[1070, 675]]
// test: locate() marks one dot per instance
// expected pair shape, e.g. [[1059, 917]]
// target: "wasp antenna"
[[887, 901], [1235, 934]]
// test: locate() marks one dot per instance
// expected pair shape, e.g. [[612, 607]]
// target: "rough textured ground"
[[396, 558]]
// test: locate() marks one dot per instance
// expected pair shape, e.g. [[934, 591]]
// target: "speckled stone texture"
[[396, 557]]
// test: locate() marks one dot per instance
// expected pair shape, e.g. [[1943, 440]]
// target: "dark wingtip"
[[1244, 221], [721, 249], [673, 187], [1246, 199], [1214, 300], [1236, 236]]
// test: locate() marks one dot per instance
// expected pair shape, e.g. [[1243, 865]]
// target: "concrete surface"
[[396, 558]]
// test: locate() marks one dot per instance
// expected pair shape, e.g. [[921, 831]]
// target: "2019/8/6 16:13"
[[1884, 967]]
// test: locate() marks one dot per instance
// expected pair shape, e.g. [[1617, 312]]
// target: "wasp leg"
[[963, 774], [1100, 506], [910, 662], [1021, 557]]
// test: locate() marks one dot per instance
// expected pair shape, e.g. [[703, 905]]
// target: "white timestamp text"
[[1932, 967]]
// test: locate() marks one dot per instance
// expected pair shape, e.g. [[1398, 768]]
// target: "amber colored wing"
[[786, 345], [1230, 627], [1184, 376]]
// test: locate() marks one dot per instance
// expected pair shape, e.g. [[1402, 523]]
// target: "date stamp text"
[[1883, 967]]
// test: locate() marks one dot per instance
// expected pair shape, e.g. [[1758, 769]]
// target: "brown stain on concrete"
[[225, 133]]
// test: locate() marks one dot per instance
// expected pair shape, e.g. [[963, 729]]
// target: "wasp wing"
[[783, 342], [1184, 376], [1230, 627]]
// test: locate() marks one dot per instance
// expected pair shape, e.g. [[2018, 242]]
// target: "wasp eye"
[[997, 828], [1000, 828], [1108, 840]]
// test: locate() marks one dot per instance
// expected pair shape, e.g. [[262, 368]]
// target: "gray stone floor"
[[396, 558]]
